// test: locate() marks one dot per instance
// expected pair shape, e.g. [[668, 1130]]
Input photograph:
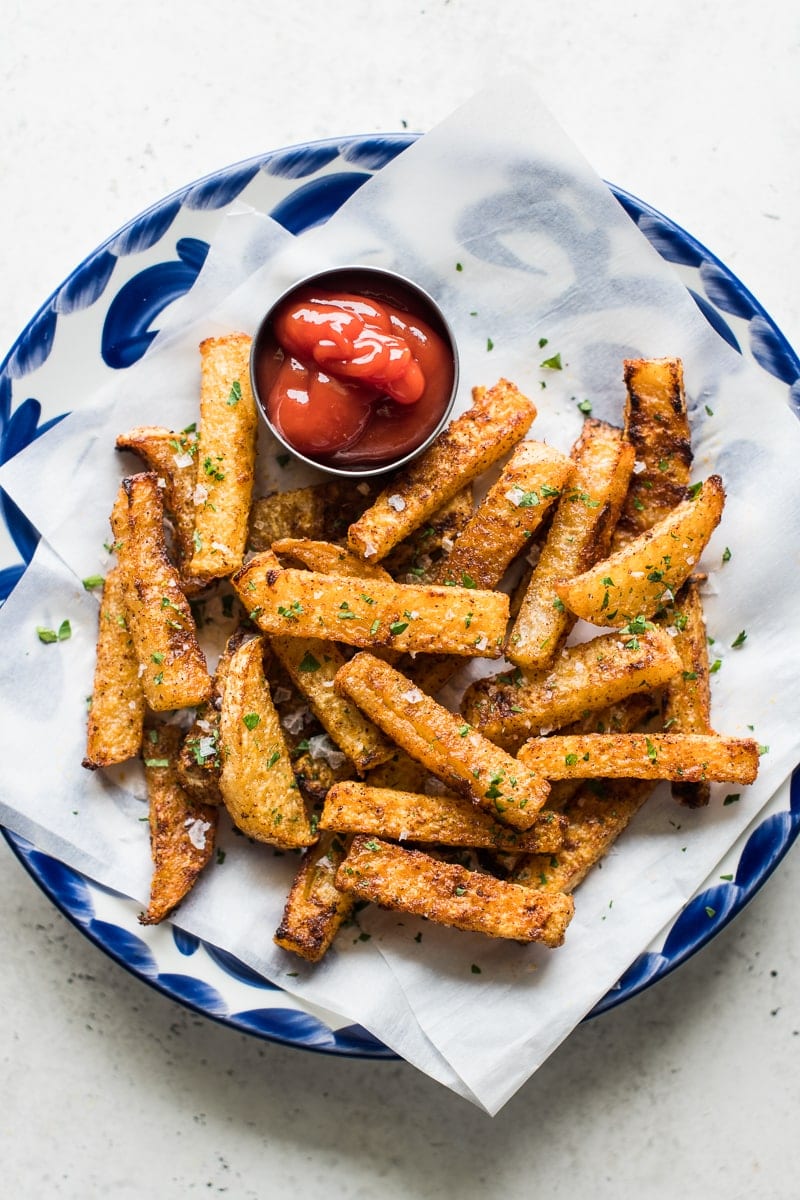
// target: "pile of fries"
[[319, 730]]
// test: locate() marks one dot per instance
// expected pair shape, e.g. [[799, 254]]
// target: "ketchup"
[[352, 381]]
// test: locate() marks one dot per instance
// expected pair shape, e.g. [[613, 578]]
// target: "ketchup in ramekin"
[[355, 370]]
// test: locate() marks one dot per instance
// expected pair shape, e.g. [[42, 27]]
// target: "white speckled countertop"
[[111, 1090]]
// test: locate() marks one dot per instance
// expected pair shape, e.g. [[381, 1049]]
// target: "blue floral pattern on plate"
[[131, 279]]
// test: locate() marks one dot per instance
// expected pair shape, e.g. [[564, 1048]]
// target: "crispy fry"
[[257, 782], [199, 763], [579, 534], [312, 665], [657, 425], [226, 452], [442, 742], [510, 514], [510, 707], [415, 559], [315, 908], [410, 881], [471, 443], [445, 820], [182, 832], [596, 817], [687, 697], [499, 528], [688, 757], [646, 573], [173, 671], [328, 558], [371, 613], [116, 717], [321, 512], [626, 716], [173, 458]]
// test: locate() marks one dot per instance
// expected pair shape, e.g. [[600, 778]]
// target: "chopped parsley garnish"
[[553, 364], [308, 662], [158, 657], [235, 394], [585, 406], [374, 627], [732, 798], [467, 581], [156, 762], [292, 611], [570, 760], [475, 969], [398, 627], [694, 491], [48, 636], [93, 581], [489, 344], [273, 758], [459, 266], [211, 469], [251, 719], [726, 554], [739, 640]]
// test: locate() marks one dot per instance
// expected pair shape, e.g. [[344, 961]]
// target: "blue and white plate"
[[102, 320]]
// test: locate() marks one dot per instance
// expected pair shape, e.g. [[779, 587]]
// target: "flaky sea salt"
[[321, 746], [197, 830], [397, 503], [183, 460]]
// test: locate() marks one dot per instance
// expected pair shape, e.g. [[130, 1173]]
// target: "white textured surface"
[[112, 1090]]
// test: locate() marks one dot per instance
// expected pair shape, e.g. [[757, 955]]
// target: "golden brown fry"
[[445, 820], [199, 763], [579, 534], [646, 573], [687, 697], [226, 453], [371, 612], [507, 518], [172, 667], [257, 782], [182, 832], [173, 458], [592, 675], [442, 742], [312, 665], [657, 425], [410, 881], [470, 444], [116, 716], [415, 559], [328, 558], [689, 757], [321, 512], [315, 908], [596, 817], [628, 715]]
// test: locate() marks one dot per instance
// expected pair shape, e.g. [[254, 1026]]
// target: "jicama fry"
[[687, 696], [442, 742], [328, 558], [657, 426], [445, 820], [182, 832], [371, 613], [257, 783], [592, 675], [497, 420], [645, 574], [116, 716], [410, 881], [689, 757], [596, 817], [315, 908], [415, 559], [173, 671], [173, 458], [506, 519], [580, 534], [226, 452], [312, 665]]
